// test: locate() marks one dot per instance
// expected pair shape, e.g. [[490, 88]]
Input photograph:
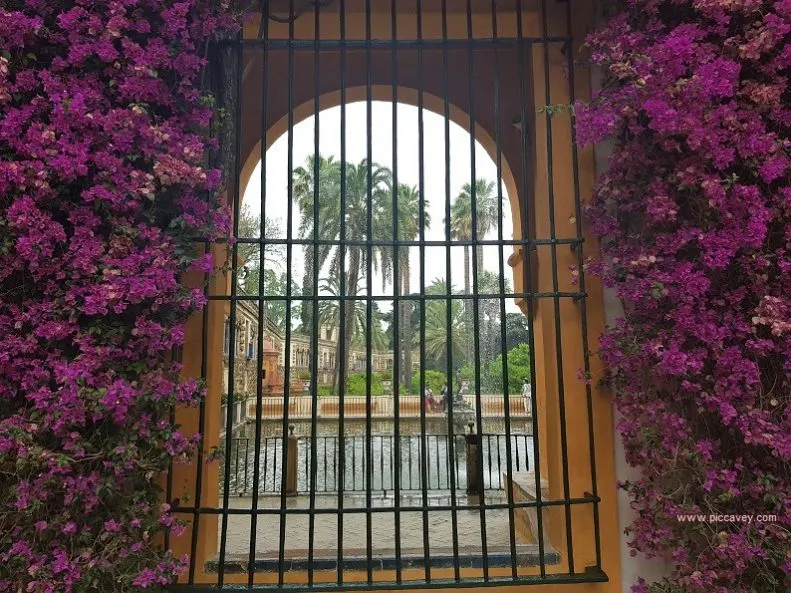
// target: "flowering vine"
[[695, 215], [103, 193]]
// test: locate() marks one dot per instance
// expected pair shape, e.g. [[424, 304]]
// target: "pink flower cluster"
[[103, 195], [695, 213]]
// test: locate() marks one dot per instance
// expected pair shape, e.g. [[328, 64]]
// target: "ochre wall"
[[545, 194]]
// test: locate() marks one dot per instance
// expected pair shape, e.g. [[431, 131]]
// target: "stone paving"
[[325, 544]]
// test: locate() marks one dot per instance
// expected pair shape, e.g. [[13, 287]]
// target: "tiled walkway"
[[383, 537]]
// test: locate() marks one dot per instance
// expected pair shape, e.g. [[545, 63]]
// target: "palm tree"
[[304, 189], [408, 212], [486, 211], [330, 311], [442, 338], [461, 229], [354, 219]]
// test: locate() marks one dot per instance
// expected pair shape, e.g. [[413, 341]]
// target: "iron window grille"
[[478, 72]]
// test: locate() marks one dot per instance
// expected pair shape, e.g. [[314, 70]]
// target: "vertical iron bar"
[[475, 300], [455, 461], [335, 463], [342, 304], [199, 458], [555, 285], [274, 466], [499, 463], [259, 394], [409, 460], [246, 460], [289, 254], [447, 463], [314, 384], [489, 458], [169, 478], [324, 440], [396, 302], [369, 285], [424, 462], [525, 204], [232, 333], [583, 301], [266, 461], [503, 337], [516, 445], [382, 463], [236, 463], [448, 319]]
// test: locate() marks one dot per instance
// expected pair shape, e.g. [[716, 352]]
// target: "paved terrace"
[[439, 523]]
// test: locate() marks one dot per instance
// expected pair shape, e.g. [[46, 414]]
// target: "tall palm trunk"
[[479, 257], [467, 269], [306, 310], [468, 304], [347, 324], [406, 328]]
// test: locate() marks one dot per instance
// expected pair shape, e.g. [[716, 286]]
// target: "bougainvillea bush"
[[103, 191], [695, 212]]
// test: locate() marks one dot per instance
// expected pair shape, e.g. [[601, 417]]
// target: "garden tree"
[[516, 330], [305, 188], [355, 217], [441, 338], [356, 335], [462, 230], [489, 314], [409, 215], [486, 212], [491, 373], [274, 275], [275, 285], [518, 370], [250, 253]]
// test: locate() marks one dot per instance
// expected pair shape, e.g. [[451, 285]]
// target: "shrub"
[[434, 380], [518, 370], [356, 384], [103, 133], [324, 390], [696, 211], [384, 375]]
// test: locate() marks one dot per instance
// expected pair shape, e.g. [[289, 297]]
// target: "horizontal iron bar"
[[352, 563], [324, 44], [414, 508], [414, 437], [590, 576], [406, 297], [405, 243]]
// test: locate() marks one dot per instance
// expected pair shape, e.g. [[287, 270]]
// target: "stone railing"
[[382, 406]]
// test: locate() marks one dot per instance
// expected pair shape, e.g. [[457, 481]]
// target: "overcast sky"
[[434, 167]]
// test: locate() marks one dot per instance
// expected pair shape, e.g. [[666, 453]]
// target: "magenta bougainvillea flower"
[[103, 192], [695, 210]]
